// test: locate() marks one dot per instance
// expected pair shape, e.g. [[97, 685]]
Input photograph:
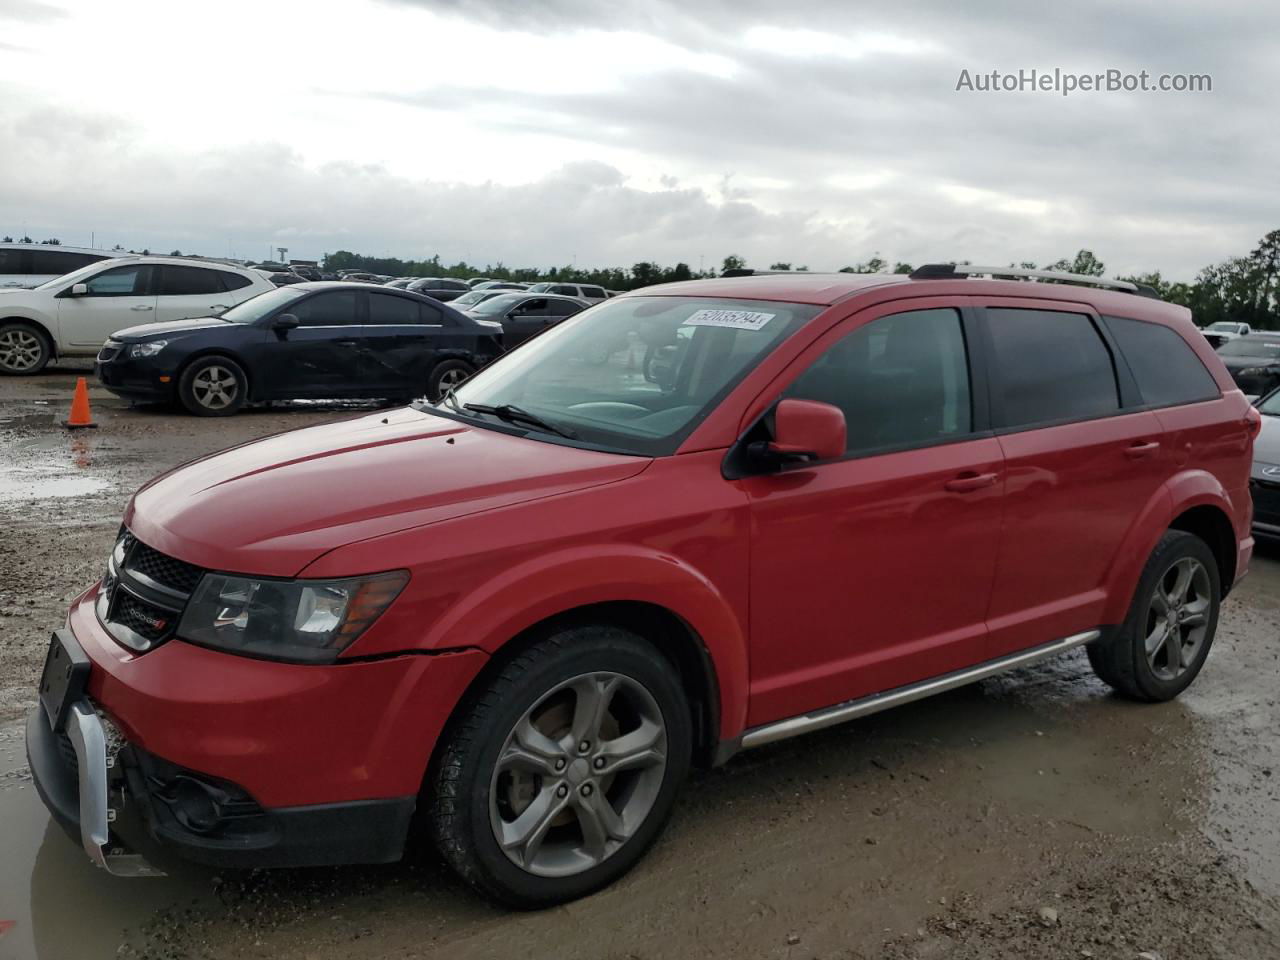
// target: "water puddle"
[[54, 904]]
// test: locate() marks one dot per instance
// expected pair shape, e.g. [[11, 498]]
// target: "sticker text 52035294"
[[735, 319]]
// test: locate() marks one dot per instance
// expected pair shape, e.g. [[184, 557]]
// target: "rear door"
[[117, 298], [190, 291], [874, 570], [404, 338], [1082, 460]]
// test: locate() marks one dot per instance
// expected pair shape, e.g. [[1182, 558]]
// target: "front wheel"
[[558, 776], [213, 387], [446, 377], [1159, 649]]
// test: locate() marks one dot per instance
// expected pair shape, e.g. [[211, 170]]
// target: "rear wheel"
[[562, 772], [24, 349], [213, 387], [1159, 649], [446, 377]]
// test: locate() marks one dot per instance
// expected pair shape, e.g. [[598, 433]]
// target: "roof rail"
[[942, 271]]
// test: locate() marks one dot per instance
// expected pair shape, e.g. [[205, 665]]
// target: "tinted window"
[[432, 315], [1166, 368], [1051, 366], [454, 285], [562, 308], [335, 309], [565, 290], [119, 282], [384, 309], [188, 281], [11, 261], [901, 380], [58, 262], [534, 307], [232, 281], [594, 292]]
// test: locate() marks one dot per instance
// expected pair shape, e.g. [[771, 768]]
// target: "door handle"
[[141, 306], [1140, 450], [218, 307], [969, 481]]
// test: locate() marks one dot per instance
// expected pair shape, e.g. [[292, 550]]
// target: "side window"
[[564, 290], [232, 281], [337, 309], [1166, 368], [901, 380], [455, 285], [128, 281], [536, 307], [1050, 366], [595, 293], [188, 281], [11, 262], [562, 308], [432, 316], [58, 262], [385, 309]]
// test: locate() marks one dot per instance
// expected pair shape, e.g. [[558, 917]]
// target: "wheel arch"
[[41, 327]]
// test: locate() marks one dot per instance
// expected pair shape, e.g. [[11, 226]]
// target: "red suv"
[[683, 523]]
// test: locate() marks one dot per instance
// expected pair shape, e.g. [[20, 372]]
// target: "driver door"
[[117, 298], [528, 319]]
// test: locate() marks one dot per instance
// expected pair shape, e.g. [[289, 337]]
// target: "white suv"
[[71, 316], [31, 264], [583, 291]]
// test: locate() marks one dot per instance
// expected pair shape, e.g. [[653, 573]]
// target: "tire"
[[213, 387], [1123, 661], [447, 375], [562, 842], [25, 349]]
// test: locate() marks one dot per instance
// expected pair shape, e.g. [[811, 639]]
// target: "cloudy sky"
[[540, 132]]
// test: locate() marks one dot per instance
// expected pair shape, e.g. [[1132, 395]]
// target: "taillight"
[[1253, 420]]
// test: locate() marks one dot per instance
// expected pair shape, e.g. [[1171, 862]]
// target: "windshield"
[[1263, 347], [635, 374], [493, 306], [79, 276], [255, 308], [1224, 325]]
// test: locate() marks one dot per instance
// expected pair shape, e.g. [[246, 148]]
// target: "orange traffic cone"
[[80, 416]]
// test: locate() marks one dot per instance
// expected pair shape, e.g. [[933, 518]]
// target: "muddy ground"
[[1031, 816]]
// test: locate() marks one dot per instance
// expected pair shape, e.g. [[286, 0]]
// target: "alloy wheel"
[[450, 380], [215, 387], [578, 774], [20, 350], [1177, 618]]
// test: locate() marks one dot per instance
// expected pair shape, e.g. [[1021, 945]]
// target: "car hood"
[[274, 505], [145, 331]]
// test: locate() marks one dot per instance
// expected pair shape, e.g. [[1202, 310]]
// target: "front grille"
[[1266, 502], [144, 593], [160, 568], [109, 351], [147, 621]]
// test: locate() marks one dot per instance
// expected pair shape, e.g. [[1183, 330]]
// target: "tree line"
[[1240, 288]]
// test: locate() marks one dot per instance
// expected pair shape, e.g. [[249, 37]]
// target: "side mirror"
[[807, 430], [286, 321], [79, 289]]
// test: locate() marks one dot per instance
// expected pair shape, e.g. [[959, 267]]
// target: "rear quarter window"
[[1167, 370]]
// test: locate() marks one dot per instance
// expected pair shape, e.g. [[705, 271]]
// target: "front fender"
[[529, 593]]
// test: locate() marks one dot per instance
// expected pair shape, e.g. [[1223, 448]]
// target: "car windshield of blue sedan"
[[255, 308], [632, 375]]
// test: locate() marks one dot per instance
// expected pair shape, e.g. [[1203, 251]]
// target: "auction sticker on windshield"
[[737, 319]]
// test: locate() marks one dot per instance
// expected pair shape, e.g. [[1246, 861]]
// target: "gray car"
[[524, 315], [1264, 482]]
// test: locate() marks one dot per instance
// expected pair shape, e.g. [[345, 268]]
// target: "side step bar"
[[830, 716]]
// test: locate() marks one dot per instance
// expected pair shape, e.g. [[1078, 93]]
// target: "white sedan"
[[72, 315]]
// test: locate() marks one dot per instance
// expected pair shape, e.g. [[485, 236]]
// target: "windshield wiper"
[[451, 400], [513, 414]]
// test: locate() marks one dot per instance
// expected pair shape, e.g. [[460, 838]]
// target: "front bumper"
[[138, 379], [233, 761]]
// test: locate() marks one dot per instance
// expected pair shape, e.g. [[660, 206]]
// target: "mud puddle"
[[62, 907]]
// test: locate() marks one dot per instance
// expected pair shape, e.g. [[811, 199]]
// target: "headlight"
[[305, 621], [147, 349]]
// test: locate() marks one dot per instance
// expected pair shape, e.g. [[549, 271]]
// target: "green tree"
[[780, 266], [734, 262]]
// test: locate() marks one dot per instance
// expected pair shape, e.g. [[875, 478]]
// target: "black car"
[[1264, 482], [443, 289], [1253, 362], [306, 340], [524, 315]]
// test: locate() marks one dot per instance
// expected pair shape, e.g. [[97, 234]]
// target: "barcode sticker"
[[736, 319]]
